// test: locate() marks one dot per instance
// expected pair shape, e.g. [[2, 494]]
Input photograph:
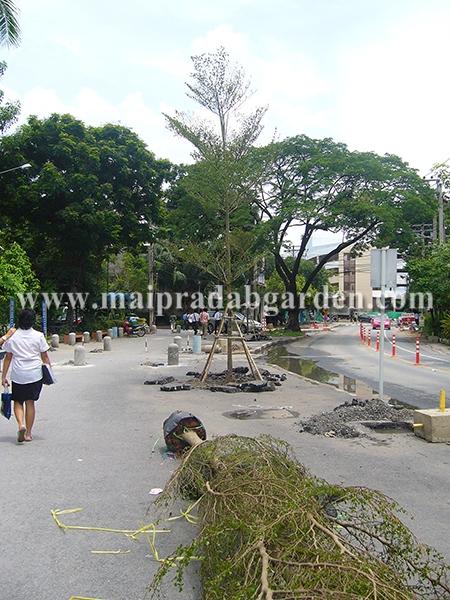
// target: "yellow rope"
[[82, 598], [132, 533], [187, 514], [110, 551]]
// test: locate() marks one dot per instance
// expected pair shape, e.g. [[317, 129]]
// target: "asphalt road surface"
[[98, 446], [341, 352]]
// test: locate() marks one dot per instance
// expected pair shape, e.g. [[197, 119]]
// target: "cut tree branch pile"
[[268, 529]]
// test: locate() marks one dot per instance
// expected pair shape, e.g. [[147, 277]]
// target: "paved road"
[[341, 351], [98, 446]]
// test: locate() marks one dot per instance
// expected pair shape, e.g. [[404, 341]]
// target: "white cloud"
[[222, 35], [132, 111], [395, 92]]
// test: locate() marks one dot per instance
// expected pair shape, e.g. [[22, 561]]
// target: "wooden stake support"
[[230, 338]]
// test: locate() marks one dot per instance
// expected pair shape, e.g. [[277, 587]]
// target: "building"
[[349, 275]]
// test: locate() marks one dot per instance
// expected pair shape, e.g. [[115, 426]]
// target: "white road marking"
[[413, 351]]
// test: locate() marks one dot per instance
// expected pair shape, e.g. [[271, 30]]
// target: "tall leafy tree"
[[431, 274], [90, 192], [9, 111], [217, 185], [314, 185]]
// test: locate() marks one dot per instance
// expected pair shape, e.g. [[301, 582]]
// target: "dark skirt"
[[26, 391]]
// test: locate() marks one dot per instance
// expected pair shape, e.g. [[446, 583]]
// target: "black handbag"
[[47, 375]]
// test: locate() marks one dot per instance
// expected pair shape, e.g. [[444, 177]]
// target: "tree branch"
[[336, 250]]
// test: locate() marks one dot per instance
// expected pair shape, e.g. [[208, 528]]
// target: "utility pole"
[[440, 192], [383, 266], [440, 224], [382, 311]]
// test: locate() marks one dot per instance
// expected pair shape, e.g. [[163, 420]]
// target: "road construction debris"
[[242, 381], [159, 381], [227, 389], [176, 386], [257, 386], [341, 422], [149, 363]]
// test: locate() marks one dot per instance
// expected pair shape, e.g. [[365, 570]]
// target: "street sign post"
[[383, 276], [390, 272]]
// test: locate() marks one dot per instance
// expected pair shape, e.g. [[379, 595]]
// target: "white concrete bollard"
[[178, 328], [72, 339], [86, 337], [79, 356], [99, 335], [107, 347], [197, 344], [153, 329], [173, 353], [178, 340], [120, 331], [55, 341], [110, 332]]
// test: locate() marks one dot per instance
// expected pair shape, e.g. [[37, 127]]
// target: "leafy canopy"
[[16, 276], [90, 192]]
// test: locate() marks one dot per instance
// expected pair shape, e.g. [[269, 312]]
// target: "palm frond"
[[9, 24]]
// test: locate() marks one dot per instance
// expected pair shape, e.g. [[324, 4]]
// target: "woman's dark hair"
[[27, 318]]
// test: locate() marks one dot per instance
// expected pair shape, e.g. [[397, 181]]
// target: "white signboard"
[[391, 268]]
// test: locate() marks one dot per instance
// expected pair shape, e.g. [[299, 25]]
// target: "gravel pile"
[[340, 421]]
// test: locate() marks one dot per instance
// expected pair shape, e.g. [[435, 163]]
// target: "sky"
[[373, 75]]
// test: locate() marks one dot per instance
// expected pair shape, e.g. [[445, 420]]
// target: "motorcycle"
[[131, 329]]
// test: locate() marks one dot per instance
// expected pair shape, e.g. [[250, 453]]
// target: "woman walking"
[[26, 350]]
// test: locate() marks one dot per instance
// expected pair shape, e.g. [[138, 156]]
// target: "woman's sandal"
[[21, 435], [28, 438]]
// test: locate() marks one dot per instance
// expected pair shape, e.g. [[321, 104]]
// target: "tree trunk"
[[293, 324]]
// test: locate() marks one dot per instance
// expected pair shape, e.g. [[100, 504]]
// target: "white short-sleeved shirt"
[[26, 346]]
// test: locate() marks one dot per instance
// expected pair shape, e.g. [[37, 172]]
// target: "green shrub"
[[445, 325]]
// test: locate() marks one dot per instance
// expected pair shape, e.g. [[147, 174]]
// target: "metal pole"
[[440, 191], [382, 311], [151, 260]]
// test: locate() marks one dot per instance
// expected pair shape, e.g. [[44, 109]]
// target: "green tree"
[[319, 185], [130, 272], [90, 192], [9, 24], [217, 185], [9, 111], [432, 274], [16, 276]]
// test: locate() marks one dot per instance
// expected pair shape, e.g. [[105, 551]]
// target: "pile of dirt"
[[340, 421]]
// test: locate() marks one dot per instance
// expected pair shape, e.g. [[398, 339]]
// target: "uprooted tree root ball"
[[269, 530]]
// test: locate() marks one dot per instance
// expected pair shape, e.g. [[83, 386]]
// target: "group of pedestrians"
[[199, 320], [26, 351]]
